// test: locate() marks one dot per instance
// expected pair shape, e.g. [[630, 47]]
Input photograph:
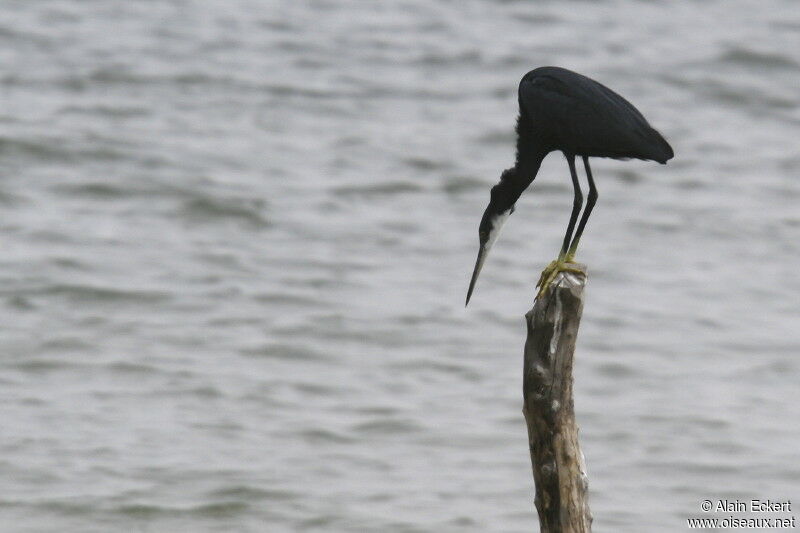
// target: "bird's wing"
[[586, 117]]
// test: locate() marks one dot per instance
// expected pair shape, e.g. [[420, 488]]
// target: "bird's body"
[[561, 110], [566, 111]]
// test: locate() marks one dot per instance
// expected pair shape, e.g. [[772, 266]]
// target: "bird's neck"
[[527, 165], [515, 180], [531, 149], [530, 154]]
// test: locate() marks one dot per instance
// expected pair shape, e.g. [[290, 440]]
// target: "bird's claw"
[[549, 269], [562, 264]]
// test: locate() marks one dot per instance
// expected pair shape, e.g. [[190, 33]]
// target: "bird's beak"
[[482, 253], [486, 245]]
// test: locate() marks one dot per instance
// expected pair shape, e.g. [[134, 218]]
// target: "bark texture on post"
[[559, 470]]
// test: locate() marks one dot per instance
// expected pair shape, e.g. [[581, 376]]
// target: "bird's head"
[[500, 207]]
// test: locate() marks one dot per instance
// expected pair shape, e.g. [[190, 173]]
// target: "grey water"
[[236, 239]]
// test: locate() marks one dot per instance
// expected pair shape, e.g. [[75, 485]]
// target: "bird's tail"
[[661, 151]]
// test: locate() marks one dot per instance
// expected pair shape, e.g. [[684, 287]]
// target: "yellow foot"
[[565, 264]]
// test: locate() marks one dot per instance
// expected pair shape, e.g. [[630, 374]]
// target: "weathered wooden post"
[[559, 470]]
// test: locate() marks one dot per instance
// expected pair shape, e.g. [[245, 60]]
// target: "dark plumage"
[[561, 110], [566, 111]]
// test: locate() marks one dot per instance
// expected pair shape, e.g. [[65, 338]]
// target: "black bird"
[[563, 110]]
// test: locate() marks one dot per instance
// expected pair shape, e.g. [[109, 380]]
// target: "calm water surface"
[[237, 238]]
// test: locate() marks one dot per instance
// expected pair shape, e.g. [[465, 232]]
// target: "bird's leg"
[[577, 202], [561, 264], [590, 201]]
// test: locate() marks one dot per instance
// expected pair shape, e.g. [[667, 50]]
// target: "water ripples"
[[237, 240]]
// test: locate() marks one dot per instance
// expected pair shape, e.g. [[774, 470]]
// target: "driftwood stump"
[[559, 470]]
